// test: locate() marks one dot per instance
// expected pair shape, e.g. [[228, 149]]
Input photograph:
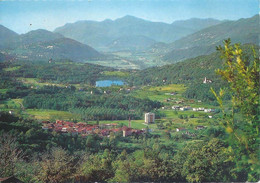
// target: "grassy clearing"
[[45, 114], [120, 74], [137, 124], [34, 82], [12, 68], [3, 91], [168, 88], [160, 93]]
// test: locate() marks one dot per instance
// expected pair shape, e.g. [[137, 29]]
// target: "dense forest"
[[90, 106], [58, 71]]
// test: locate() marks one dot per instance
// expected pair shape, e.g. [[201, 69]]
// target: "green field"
[[12, 68], [136, 124], [44, 114], [3, 91], [119, 74], [11, 104], [159, 93]]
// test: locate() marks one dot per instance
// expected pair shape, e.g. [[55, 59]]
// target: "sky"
[[23, 16]]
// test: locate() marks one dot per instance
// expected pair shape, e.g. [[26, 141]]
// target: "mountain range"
[[101, 34], [167, 42]]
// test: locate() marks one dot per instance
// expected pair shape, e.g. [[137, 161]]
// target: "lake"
[[107, 83]]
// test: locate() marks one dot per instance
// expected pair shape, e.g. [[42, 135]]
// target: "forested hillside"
[[204, 41], [44, 45], [60, 71], [192, 72]]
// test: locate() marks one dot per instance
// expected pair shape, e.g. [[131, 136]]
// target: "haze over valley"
[[128, 42]]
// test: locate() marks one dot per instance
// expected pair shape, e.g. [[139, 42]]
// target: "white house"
[[201, 109], [180, 129], [149, 118], [209, 110], [195, 109]]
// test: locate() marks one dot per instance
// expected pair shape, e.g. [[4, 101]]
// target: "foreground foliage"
[[243, 122]]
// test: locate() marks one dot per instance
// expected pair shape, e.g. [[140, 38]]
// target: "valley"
[[131, 100]]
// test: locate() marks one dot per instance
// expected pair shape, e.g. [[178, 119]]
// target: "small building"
[[207, 80], [180, 129], [11, 112], [209, 110], [149, 118], [195, 109], [200, 127], [185, 108], [201, 109]]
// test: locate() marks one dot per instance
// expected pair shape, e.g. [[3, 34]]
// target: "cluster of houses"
[[186, 108], [85, 129]]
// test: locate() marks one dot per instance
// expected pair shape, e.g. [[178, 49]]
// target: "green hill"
[[188, 71], [44, 45], [37, 36], [62, 48]]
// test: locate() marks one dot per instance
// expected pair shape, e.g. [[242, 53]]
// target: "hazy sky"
[[23, 16]]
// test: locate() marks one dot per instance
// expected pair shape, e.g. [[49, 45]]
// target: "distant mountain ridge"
[[101, 34], [197, 23], [203, 42], [44, 45], [39, 35], [7, 36]]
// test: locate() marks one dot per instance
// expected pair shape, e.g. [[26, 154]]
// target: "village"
[[85, 129], [103, 130]]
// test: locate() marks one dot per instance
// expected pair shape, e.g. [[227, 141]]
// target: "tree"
[[10, 154], [56, 166], [242, 123], [202, 161]]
